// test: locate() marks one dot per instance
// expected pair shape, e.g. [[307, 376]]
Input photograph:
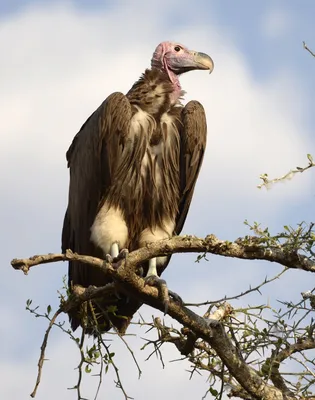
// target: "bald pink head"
[[172, 56], [175, 59]]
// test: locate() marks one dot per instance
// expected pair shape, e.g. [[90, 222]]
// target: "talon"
[[176, 297], [160, 284], [109, 259], [154, 280], [122, 256], [211, 323]]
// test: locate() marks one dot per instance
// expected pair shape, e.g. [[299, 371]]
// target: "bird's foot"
[[123, 254], [116, 261], [154, 280], [109, 259], [211, 323], [176, 297], [164, 293]]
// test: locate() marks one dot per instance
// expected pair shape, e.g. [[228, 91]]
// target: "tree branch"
[[42, 351], [251, 248], [211, 332], [307, 49], [273, 363], [289, 175]]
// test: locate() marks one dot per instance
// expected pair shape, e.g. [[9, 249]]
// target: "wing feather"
[[193, 144], [93, 159], [193, 138]]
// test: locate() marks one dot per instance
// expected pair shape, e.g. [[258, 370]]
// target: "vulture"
[[133, 168]]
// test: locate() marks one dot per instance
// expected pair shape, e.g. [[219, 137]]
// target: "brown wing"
[[193, 134], [193, 144], [92, 159]]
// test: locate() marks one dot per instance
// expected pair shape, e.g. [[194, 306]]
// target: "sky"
[[60, 60]]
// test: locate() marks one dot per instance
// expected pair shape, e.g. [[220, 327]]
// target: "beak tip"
[[204, 61]]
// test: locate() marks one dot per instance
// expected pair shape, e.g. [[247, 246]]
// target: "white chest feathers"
[[144, 124]]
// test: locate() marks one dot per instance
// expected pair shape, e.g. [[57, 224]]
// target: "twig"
[[238, 296], [306, 48], [82, 361], [101, 376], [42, 351], [305, 366], [111, 361], [272, 364], [132, 354], [303, 344], [222, 383], [289, 175]]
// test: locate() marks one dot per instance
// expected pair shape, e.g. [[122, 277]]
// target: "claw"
[[109, 259], [116, 260], [211, 323], [176, 297], [123, 254], [154, 280]]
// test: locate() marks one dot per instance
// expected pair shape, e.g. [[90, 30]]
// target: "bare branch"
[[307, 49], [238, 296], [249, 249], [42, 351], [288, 176], [302, 344]]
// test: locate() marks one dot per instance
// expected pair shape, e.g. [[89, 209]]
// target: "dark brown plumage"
[[133, 168]]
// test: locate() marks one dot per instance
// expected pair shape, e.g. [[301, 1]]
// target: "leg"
[[114, 250], [153, 279], [115, 255], [152, 268]]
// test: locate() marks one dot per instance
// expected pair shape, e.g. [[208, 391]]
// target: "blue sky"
[[60, 60]]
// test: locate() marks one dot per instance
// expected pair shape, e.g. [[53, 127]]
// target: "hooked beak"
[[203, 61], [190, 61]]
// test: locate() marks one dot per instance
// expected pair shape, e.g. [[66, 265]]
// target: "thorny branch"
[[289, 175], [238, 296], [273, 363], [42, 351], [210, 331]]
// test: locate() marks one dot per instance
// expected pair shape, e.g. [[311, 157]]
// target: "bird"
[[133, 169]]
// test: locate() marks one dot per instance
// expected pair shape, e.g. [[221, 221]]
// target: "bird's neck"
[[177, 92]]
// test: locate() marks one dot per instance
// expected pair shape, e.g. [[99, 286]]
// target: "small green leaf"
[[88, 369], [214, 392], [310, 158], [48, 310]]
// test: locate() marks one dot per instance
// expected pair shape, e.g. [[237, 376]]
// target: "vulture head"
[[176, 59]]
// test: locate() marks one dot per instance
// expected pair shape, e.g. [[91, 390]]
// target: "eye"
[[177, 48]]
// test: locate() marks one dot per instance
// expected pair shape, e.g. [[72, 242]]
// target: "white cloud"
[[60, 65]]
